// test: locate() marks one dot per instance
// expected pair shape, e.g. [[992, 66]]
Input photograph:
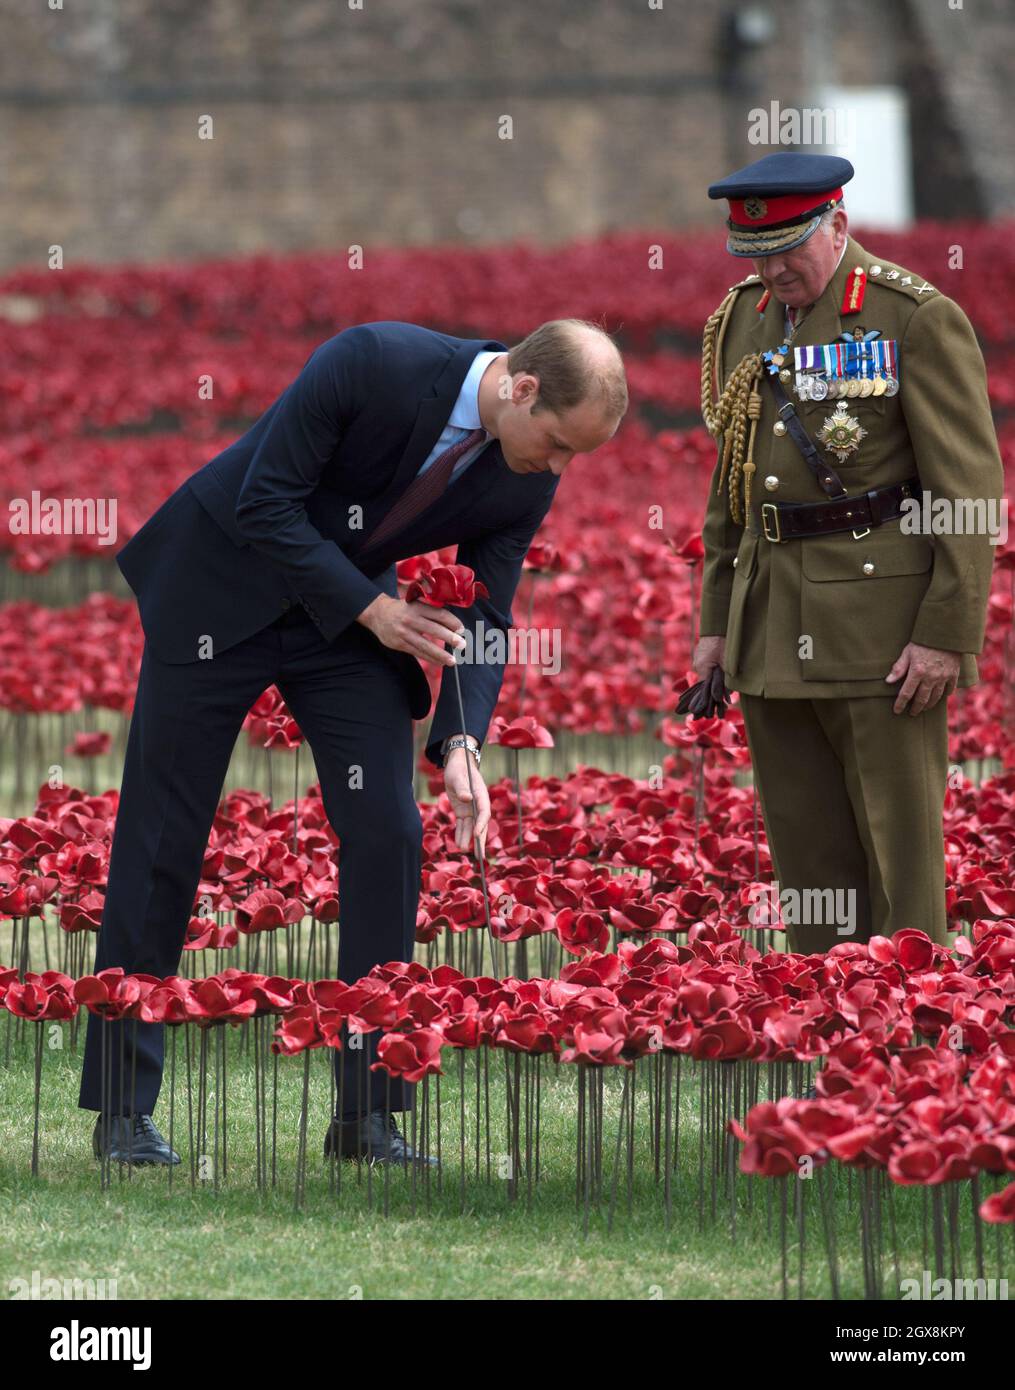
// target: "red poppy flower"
[[999, 1208], [90, 745], [411, 1056], [522, 732], [447, 586]]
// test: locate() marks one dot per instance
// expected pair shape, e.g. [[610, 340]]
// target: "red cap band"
[[756, 211]]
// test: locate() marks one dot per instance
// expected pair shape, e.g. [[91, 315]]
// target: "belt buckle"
[[765, 508]]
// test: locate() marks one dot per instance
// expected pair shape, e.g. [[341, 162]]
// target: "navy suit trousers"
[[353, 708]]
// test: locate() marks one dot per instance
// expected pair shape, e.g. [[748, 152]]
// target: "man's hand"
[[414, 627], [710, 652], [471, 807], [929, 674]]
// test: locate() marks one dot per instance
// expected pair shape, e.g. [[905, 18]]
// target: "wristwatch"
[[462, 741]]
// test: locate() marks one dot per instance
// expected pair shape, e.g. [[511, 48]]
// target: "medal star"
[[841, 433]]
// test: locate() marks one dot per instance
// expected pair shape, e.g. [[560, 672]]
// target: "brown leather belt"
[[794, 521]]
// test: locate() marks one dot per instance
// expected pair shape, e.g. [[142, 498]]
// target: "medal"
[[858, 366], [809, 386], [841, 433], [774, 358], [866, 363]]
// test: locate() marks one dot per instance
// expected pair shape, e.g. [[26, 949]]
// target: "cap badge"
[[755, 208]]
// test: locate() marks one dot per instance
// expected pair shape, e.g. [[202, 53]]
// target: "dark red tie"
[[424, 490]]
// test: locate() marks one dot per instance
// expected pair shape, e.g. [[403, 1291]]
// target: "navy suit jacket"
[[279, 516]]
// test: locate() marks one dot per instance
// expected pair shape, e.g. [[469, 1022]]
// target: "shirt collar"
[[465, 412]]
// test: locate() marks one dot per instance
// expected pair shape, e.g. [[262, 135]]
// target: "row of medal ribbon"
[[830, 371]]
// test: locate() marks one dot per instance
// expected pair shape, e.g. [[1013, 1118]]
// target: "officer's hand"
[[709, 652], [471, 807], [929, 673], [413, 627]]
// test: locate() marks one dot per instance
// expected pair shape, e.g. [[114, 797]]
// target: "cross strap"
[[825, 475]]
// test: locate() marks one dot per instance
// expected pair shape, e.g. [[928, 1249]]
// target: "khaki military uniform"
[[852, 794]]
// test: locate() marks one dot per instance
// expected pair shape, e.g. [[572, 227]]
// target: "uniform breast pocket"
[[859, 600], [868, 413]]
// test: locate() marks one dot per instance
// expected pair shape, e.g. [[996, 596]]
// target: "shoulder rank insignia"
[[900, 280]]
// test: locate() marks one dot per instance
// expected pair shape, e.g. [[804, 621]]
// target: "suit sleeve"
[[308, 422], [497, 560], [944, 398]]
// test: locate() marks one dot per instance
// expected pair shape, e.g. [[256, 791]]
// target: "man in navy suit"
[[275, 564]]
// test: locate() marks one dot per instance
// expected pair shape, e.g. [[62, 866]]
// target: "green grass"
[[237, 1243]]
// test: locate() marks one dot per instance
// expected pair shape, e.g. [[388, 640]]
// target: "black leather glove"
[[706, 699]]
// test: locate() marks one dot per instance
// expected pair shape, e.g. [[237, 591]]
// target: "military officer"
[[845, 393]]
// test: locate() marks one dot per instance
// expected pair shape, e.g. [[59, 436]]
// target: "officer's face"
[[797, 277]]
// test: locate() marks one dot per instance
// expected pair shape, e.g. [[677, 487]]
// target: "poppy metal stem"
[[480, 856]]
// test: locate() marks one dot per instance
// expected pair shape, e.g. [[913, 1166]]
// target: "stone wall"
[[380, 124]]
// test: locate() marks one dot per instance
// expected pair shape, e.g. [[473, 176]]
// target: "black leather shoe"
[[131, 1139], [375, 1137]]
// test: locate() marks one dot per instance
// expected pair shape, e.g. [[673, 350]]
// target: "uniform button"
[[771, 483], [779, 427], [868, 567], [875, 270], [286, 605], [735, 559]]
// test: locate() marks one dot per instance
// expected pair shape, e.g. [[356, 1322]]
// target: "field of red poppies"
[[607, 946]]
